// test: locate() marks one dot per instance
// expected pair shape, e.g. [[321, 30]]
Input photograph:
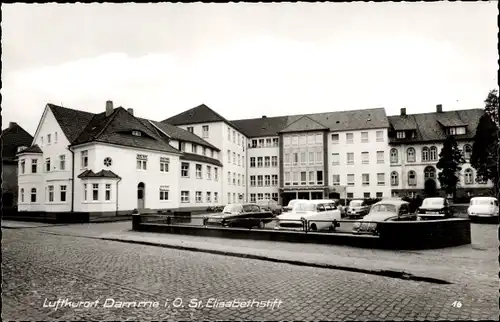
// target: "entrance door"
[[140, 195]]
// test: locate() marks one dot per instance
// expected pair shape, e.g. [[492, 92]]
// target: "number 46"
[[457, 304]]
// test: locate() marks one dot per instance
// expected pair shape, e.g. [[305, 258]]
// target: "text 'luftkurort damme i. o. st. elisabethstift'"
[[215, 303]]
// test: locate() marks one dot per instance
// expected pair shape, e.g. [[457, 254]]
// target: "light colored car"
[[290, 205], [357, 208], [483, 207], [436, 207], [270, 205], [385, 210], [318, 214]]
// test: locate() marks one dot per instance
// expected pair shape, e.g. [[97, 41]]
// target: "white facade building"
[[263, 168]]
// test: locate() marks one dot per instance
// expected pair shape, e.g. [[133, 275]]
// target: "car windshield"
[[304, 206], [232, 208], [383, 208], [292, 203], [482, 202], [263, 202], [355, 203], [433, 202]]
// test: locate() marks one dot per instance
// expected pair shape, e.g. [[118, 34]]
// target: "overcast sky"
[[247, 60]]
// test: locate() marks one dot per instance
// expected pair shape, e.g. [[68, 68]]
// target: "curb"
[[386, 273]]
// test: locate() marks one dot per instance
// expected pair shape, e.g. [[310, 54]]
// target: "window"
[[55, 137], [185, 170], [365, 157], [267, 162], [85, 158], [335, 139], [142, 161], [234, 178], [259, 181], [456, 130], [252, 162], [350, 195], [234, 136], [252, 181], [268, 143], [275, 142], [380, 157], [107, 192], [349, 137], [467, 152], [228, 156], [216, 174], [274, 180], [212, 154], [228, 177], [229, 134], [302, 158], [425, 154], [234, 157], [319, 177], [239, 161], [216, 197], [136, 133], [239, 179], [303, 140], [267, 196], [274, 161], [310, 139], [183, 146], [62, 190], [429, 173], [295, 158], [469, 176], [350, 158], [47, 164], [238, 141], [243, 180], [209, 172], [365, 178], [259, 162], [336, 180], [380, 195], [252, 197], [295, 140], [394, 178], [209, 196], [62, 162], [319, 157], [33, 195], [48, 138], [95, 191], [311, 157], [319, 139], [260, 196], [350, 179], [228, 197], [198, 197], [198, 171], [295, 178], [267, 180], [205, 131], [21, 195], [41, 140], [274, 196], [164, 162], [303, 178], [401, 134], [366, 195], [34, 163], [335, 158], [287, 178], [312, 178], [412, 178], [364, 137], [184, 196], [394, 156], [380, 179], [22, 167], [433, 155], [286, 141], [194, 148], [410, 155], [190, 129], [379, 136], [85, 191]]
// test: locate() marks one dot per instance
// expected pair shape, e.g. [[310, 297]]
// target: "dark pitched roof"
[[100, 174], [403, 123], [32, 149], [305, 123], [13, 137], [117, 129], [430, 127], [72, 122], [265, 126], [176, 133], [200, 158]]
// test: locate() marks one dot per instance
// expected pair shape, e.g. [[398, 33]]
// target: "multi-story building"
[[415, 143], [14, 139]]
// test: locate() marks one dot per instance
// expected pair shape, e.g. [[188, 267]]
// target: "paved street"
[[39, 267]]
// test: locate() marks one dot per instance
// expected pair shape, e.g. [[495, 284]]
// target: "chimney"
[[403, 111], [109, 108], [264, 117], [130, 110], [12, 124], [439, 108]]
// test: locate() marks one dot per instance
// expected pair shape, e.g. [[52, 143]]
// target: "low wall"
[[393, 235], [426, 234], [64, 217]]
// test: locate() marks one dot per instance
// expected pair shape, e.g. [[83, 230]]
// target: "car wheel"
[[313, 227], [262, 225]]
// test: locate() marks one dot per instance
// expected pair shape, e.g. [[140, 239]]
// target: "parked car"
[[483, 207], [341, 208], [270, 205], [290, 205], [385, 210], [435, 207], [241, 215], [319, 215], [357, 208]]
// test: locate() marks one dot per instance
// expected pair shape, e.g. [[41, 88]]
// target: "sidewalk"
[[25, 224]]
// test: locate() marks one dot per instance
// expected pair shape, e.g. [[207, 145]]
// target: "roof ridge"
[[443, 112], [111, 118], [315, 121]]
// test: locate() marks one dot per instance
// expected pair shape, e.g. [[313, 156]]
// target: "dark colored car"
[[435, 208], [357, 209], [385, 210], [241, 215], [270, 205]]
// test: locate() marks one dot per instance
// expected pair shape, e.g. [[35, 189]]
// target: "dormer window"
[[456, 130], [401, 134], [136, 133], [20, 148]]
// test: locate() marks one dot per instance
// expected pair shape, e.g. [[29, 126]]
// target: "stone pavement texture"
[[39, 266]]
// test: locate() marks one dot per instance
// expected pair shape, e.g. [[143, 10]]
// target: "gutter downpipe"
[[116, 212], [72, 178]]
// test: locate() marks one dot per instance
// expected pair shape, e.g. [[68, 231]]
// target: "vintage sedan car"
[[483, 207], [241, 215], [385, 210], [270, 205], [290, 205], [357, 208], [316, 214], [435, 207]]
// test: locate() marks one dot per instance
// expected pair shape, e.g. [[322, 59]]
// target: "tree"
[[492, 107], [450, 161], [484, 158]]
